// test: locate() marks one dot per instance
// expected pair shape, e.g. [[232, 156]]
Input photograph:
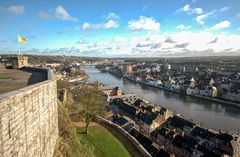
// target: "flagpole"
[[18, 47]]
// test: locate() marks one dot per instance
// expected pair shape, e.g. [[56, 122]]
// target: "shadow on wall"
[[36, 76]]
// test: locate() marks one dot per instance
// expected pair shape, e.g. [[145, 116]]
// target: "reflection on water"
[[210, 114]]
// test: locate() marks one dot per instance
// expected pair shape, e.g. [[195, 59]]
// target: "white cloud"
[[196, 42], [112, 16], [221, 25], [58, 13], [81, 42], [183, 27], [62, 14], [44, 16], [224, 9], [144, 23], [180, 27], [154, 44], [15, 9], [201, 18], [197, 11], [187, 9], [120, 39], [182, 43], [109, 24], [86, 26]]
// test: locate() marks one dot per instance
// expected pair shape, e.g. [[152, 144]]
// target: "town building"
[[127, 69]]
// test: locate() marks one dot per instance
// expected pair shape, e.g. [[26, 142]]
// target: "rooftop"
[[147, 117], [13, 79], [119, 120], [179, 122], [203, 133]]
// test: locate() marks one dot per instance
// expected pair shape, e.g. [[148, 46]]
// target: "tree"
[[97, 82], [90, 103], [69, 144]]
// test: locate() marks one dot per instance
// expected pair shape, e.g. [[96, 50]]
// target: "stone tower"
[[19, 62]]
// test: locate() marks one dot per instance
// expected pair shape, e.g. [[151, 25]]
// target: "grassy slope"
[[132, 149], [103, 142], [68, 143], [73, 144], [99, 142]]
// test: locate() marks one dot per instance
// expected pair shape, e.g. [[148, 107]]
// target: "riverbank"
[[194, 96], [207, 113]]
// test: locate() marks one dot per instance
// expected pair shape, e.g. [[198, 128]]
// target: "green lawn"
[[103, 143]]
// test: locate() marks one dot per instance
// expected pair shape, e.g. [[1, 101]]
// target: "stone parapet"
[[29, 119]]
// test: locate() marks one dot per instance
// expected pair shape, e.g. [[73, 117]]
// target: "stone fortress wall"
[[29, 119]]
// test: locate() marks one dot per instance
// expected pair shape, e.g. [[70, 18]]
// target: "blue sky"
[[111, 28]]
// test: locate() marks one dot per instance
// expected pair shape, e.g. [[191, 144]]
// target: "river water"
[[209, 114]]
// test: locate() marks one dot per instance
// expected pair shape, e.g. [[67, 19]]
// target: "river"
[[209, 114]]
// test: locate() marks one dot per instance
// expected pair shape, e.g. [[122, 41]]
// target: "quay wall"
[[195, 96]]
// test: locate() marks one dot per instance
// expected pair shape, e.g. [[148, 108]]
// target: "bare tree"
[[91, 103]]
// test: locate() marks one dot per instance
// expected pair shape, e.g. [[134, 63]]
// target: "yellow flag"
[[22, 39]]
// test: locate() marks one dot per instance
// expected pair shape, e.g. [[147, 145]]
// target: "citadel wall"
[[29, 119]]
